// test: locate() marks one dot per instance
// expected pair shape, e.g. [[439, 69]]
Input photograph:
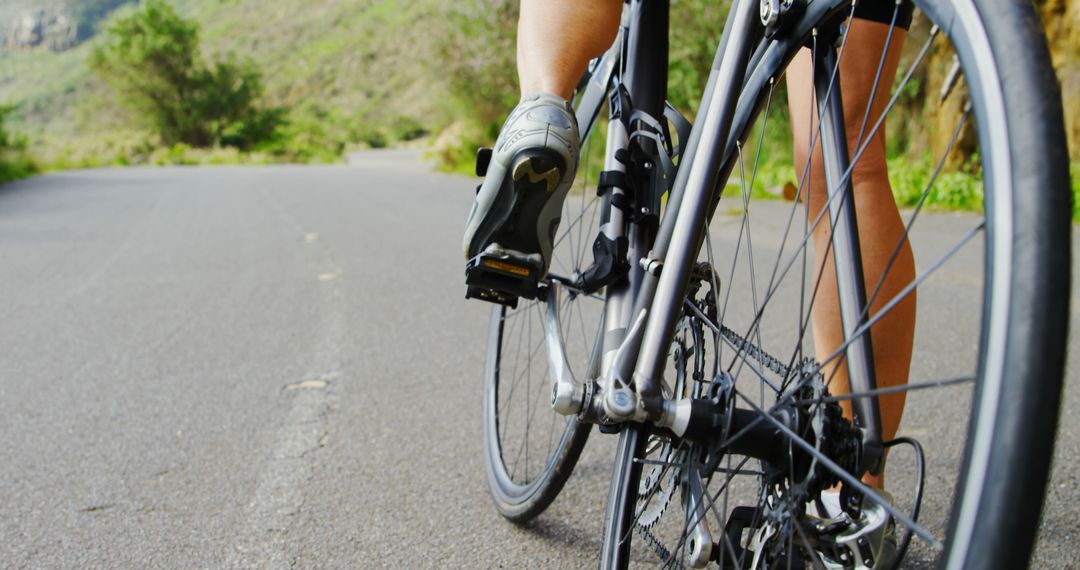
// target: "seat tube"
[[614, 225], [847, 256], [645, 79], [695, 186], [645, 76]]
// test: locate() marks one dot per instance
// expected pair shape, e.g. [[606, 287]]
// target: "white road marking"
[[279, 497], [262, 537], [317, 384]]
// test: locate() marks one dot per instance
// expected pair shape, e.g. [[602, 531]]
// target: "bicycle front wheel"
[[984, 377]]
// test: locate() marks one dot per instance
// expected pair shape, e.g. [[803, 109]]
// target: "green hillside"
[[359, 68], [374, 72]]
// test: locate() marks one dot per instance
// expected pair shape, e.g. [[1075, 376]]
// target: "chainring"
[[657, 487], [666, 459], [660, 477]]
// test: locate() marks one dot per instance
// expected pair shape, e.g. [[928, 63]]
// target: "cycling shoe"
[[868, 543], [510, 232]]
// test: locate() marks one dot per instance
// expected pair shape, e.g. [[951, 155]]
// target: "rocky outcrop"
[[52, 29]]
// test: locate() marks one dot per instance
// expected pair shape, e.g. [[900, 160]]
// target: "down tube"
[[696, 186]]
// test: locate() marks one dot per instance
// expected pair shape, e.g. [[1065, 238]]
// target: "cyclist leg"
[[557, 38], [880, 225], [509, 233]]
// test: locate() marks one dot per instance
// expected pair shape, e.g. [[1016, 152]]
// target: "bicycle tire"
[[1021, 337], [519, 496], [521, 501]]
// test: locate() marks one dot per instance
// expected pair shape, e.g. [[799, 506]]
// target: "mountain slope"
[[355, 64]]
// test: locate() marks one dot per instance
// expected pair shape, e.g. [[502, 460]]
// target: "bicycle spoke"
[[642, 506], [526, 372], [575, 222], [840, 351], [787, 353], [710, 505], [896, 250], [877, 75], [521, 309], [890, 390], [833, 194], [806, 544], [918, 207], [514, 378], [905, 292], [754, 367]]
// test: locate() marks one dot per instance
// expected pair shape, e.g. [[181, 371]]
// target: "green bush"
[[476, 56], [1074, 169], [14, 162], [313, 133], [9, 141], [151, 58], [959, 189], [691, 51]]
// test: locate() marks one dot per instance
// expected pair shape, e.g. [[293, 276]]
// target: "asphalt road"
[[274, 367]]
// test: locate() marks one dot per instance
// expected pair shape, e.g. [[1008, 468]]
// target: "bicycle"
[[725, 438]]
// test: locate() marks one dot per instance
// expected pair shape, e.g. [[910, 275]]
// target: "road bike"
[[677, 311]]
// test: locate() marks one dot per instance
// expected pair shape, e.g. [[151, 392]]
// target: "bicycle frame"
[[642, 310]]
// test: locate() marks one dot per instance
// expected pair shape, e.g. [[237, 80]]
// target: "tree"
[[152, 59]]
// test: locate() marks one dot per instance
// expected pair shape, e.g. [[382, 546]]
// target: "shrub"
[[14, 162], [953, 189], [151, 58], [476, 56], [8, 140]]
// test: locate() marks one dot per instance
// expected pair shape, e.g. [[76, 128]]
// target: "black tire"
[[1006, 479], [520, 499], [1021, 338], [517, 388]]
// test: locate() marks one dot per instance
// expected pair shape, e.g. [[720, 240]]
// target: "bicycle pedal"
[[501, 278]]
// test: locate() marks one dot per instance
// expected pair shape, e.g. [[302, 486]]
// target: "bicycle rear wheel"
[[994, 380]]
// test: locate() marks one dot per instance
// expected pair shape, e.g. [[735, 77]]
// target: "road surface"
[[274, 367]]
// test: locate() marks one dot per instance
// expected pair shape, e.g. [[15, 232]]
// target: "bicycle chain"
[[662, 494], [658, 548], [767, 360]]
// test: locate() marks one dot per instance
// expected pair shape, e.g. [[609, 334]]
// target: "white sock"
[[831, 500]]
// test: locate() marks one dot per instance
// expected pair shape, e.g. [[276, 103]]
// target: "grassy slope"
[[15, 165], [354, 55], [355, 65], [350, 67]]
